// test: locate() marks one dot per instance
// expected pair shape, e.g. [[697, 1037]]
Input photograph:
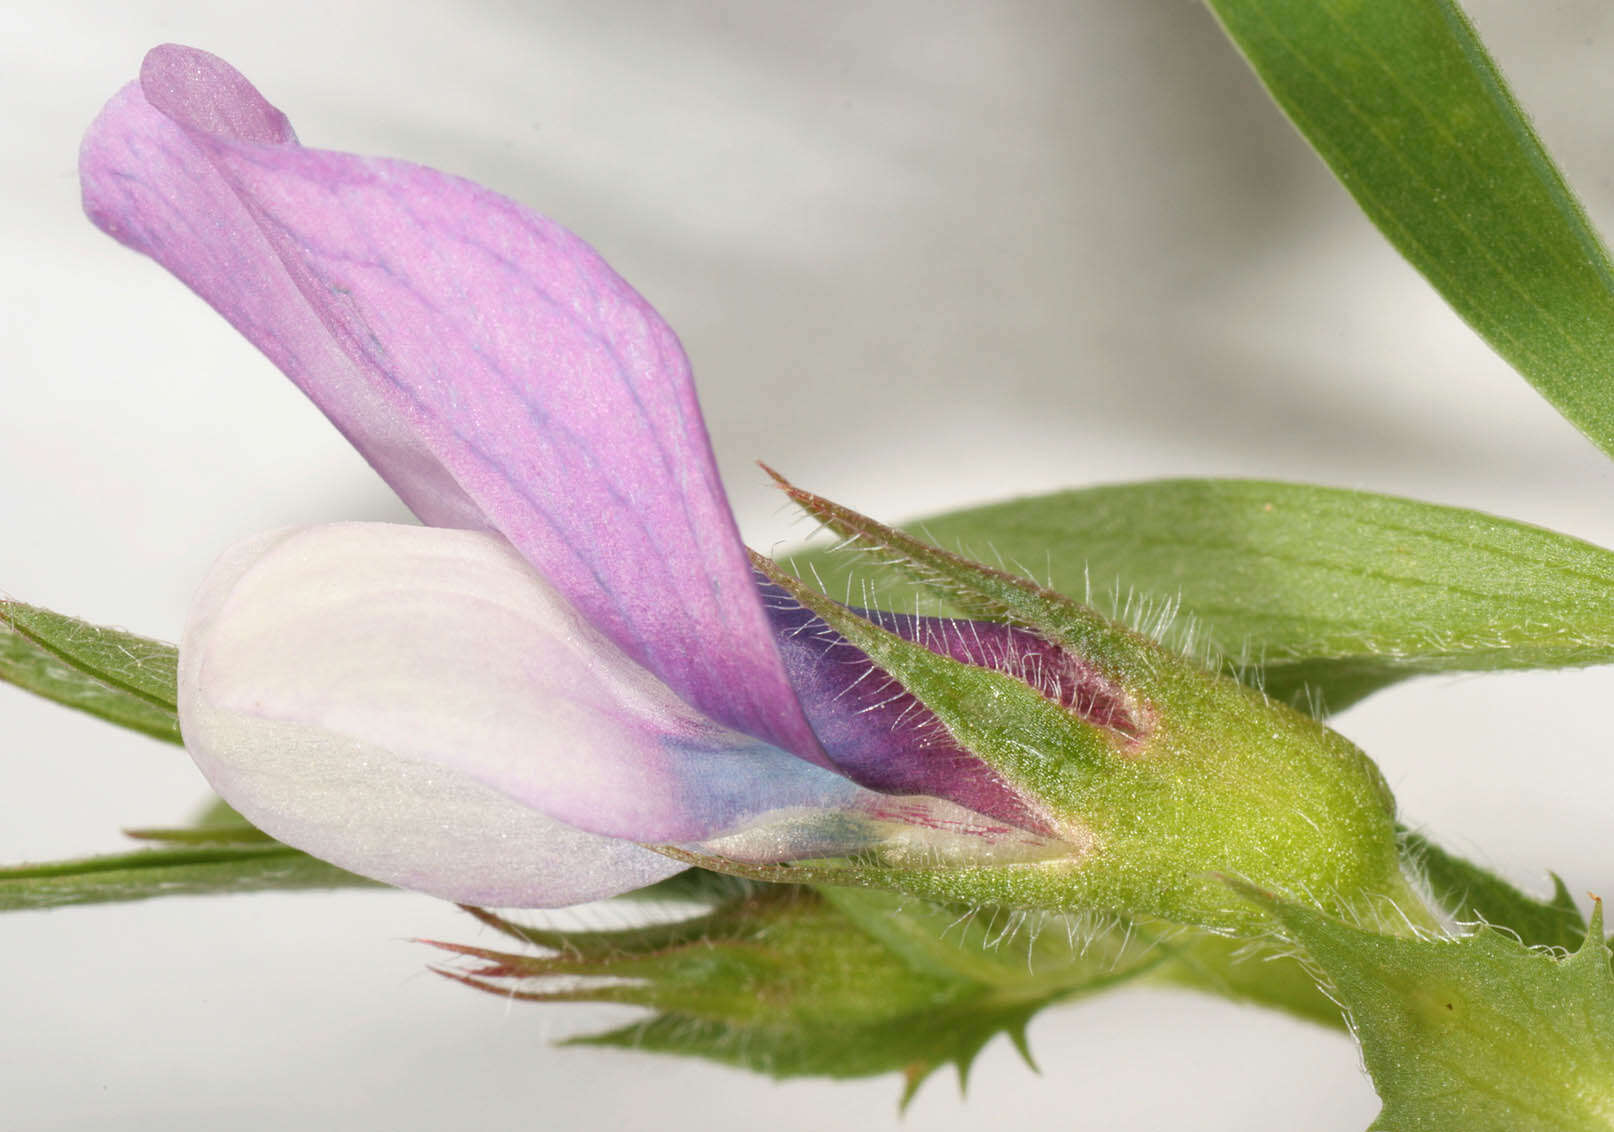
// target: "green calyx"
[[1164, 779]]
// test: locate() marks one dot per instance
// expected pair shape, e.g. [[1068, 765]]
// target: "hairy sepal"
[[1168, 777]]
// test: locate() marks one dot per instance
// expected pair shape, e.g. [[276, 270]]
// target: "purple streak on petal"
[[487, 362], [881, 737]]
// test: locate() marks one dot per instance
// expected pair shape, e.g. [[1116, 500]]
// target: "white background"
[[921, 254]]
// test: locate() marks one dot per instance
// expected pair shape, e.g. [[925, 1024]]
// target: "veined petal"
[[147, 186], [440, 659], [487, 362]]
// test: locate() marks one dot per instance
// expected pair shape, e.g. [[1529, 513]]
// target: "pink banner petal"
[[487, 362]]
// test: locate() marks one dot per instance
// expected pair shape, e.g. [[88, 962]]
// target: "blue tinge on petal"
[[878, 734], [446, 648]]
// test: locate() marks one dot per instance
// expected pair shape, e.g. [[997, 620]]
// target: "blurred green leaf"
[[995, 946], [1339, 591], [783, 981], [697, 886], [218, 814], [1475, 895], [791, 981], [1242, 970], [1405, 105], [170, 871], [1479, 1034], [201, 835], [120, 677]]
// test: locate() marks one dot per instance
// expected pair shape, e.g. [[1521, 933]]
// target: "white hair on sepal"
[[1378, 913], [1160, 618], [1248, 664], [1164, 620], [1316, 702], [920, 725], [1002, 928], [886, 560], [1014, 919]]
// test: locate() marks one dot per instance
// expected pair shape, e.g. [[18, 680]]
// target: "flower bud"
[[1163, 778]]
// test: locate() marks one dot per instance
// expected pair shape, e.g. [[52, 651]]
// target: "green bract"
[[1479, 1034], [793, 982]]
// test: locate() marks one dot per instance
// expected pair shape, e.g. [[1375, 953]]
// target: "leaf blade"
[[791, 982], [1473, 895], [1343, 591], [178, 871], [120, 677], [1410, 112]]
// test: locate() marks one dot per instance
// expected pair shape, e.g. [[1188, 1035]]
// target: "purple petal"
[[488, 363], [446, 652], [883, 738]]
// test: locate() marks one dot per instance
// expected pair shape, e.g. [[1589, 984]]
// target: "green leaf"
[[119, 677], [792, 982], [171, 871], [696, 886], [1339, 591], [1405, 105], [914, 1044], [1479, 1034], [1475, 895]]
